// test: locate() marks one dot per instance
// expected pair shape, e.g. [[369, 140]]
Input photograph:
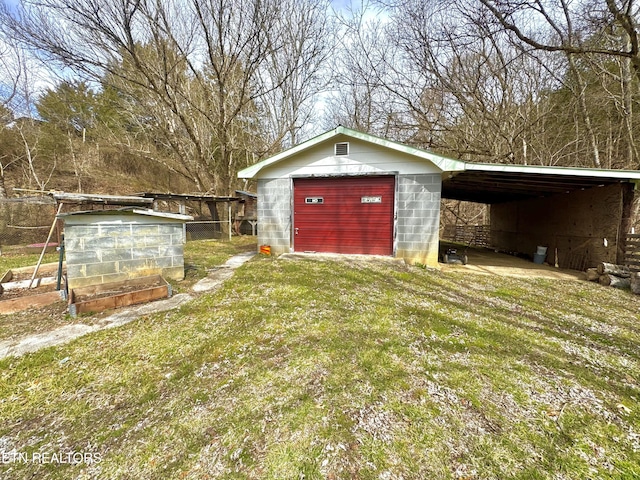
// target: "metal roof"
[[99, 199], [443, 163], [247, 194], [40, 200], [496, 183], [130, 212], [188, 197], [477, 182]]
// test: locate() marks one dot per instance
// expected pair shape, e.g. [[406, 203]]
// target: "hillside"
[[112, 176], [328, 369]]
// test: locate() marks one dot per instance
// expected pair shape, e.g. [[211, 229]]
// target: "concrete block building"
[[348, 192], [115, 245]]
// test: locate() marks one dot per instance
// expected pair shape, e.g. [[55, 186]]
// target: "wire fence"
[[26, 221], [205, 229]]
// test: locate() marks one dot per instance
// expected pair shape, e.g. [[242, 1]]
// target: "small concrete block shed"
[[115, 245], [349, 192]]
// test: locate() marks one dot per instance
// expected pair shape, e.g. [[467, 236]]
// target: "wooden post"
[[46, 244], [627, 195], [229, 218], [213, 209]]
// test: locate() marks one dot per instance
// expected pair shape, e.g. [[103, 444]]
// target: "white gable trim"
[[442, 163]]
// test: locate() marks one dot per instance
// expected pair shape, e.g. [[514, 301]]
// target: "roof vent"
[[342, 148]]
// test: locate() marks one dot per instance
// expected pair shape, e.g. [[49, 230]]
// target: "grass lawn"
[[202, 255], [16, 260], [328, 369]]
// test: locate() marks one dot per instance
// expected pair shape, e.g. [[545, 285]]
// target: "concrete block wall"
[[274, 212], [102, 253], [587, 224], [418, 218]]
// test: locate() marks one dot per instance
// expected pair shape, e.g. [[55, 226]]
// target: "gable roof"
[[477, 182], [443, 163]]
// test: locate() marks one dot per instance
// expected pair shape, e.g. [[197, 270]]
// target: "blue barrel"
[[539, 258]]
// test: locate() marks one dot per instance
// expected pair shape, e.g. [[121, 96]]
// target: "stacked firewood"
[[617, 276]]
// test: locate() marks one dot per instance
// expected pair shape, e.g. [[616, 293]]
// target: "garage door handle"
[[296, 230]]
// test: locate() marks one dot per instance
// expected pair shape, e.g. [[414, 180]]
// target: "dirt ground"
[[490, 262]]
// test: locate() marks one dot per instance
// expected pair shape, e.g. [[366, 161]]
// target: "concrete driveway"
[[489, 262]]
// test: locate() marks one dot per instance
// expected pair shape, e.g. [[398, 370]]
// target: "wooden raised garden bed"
[[25, 302], [16, 295], [96, 298]]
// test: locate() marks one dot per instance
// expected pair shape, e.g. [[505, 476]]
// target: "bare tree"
[[618, 86], [573, 26], [463, 88], [29, 157], [309, 52], [198, 74], [11, 65], [592, 30], [361, 97], [18, 124]]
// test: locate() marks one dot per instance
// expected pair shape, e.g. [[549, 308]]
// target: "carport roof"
[[477, 182], [497, 183]]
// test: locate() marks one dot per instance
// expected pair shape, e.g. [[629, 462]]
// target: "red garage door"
[[344, 215]]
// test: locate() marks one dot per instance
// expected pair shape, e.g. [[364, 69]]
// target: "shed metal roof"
[[128, 212], [188, 197], [100, 199], [477, 182], [247, 194]]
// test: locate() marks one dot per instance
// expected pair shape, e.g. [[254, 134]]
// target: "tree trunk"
[[593, 275], [584, 111], [613, 281], [3, 188], [74, 160], [612, 269], [627, 97]]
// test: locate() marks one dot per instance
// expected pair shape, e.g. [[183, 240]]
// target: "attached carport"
[[582, 214]]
